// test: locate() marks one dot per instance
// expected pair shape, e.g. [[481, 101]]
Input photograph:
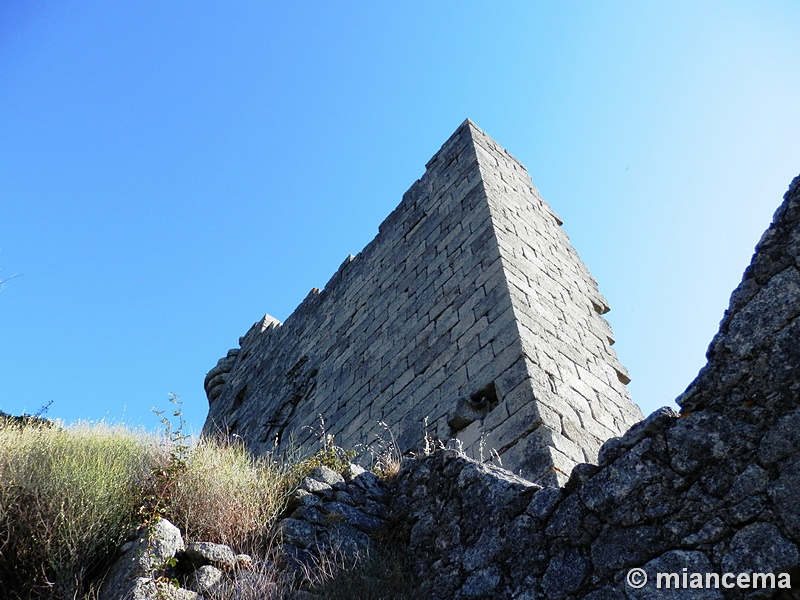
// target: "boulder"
[[145, 588], [208, 553], [205, 579], [148, 554]]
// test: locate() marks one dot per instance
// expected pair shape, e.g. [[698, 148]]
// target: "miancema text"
[[725, 580]]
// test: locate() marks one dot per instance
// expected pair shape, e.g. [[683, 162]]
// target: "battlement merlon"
[[468, 316]]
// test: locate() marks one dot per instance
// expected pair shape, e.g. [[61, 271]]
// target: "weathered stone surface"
[[317, 487], [148, 554], [145, 588], [205, 579], [482, 583], [339, 520], [207, 553], [337, 511], [347, 541], [244, 561], [713, 490], [371, 486], [565, 574], [760, 548], [469, 316], [298, 532], [674, 562], [326, 475]]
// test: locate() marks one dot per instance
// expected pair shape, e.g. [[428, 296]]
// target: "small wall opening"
[[473, 408], [239, 399], [486, 396]]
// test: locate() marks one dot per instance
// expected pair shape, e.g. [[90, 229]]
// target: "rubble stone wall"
[[713, 489]]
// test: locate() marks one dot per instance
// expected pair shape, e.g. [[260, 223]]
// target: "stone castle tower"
[[469, 316]]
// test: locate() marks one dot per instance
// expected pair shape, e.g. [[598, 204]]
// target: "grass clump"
[[68, 498], [213, 490], [227, 496], [329, 455], [379, 575]]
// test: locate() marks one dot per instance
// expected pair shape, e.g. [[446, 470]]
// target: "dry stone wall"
[[469, 316], [711, 491]]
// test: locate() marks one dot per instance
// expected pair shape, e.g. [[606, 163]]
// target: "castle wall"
[[575, 384], [468, 316], [707, 497]]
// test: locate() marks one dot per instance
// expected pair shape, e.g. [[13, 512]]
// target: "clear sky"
[[171, 171]]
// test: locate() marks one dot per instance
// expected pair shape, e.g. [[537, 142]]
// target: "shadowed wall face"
[[469, 316]]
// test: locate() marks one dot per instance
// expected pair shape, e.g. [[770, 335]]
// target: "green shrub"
[[68, 498], [329, 455]]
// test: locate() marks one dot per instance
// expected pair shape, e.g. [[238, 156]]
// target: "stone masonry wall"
[[575, 384], [469, 312], [712, 490]]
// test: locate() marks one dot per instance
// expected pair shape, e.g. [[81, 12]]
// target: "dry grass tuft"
[[227, 496], [67, 499], [383, 575]]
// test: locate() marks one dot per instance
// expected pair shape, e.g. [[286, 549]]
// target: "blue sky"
[[171, 171]]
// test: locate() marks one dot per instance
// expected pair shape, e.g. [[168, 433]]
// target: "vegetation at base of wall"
[[67, 500], [329, 455], [380, 576], [385, 453], [71, 495], [227, 496]]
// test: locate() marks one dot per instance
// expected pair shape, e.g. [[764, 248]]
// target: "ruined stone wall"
[[576, 385], [469, 311], [712, 490]]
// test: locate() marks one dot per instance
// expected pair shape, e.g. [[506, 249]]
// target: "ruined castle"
[[701, 504], [469, 317]]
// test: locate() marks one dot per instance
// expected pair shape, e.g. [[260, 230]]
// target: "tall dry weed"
[[67, 499], [227, 496]]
